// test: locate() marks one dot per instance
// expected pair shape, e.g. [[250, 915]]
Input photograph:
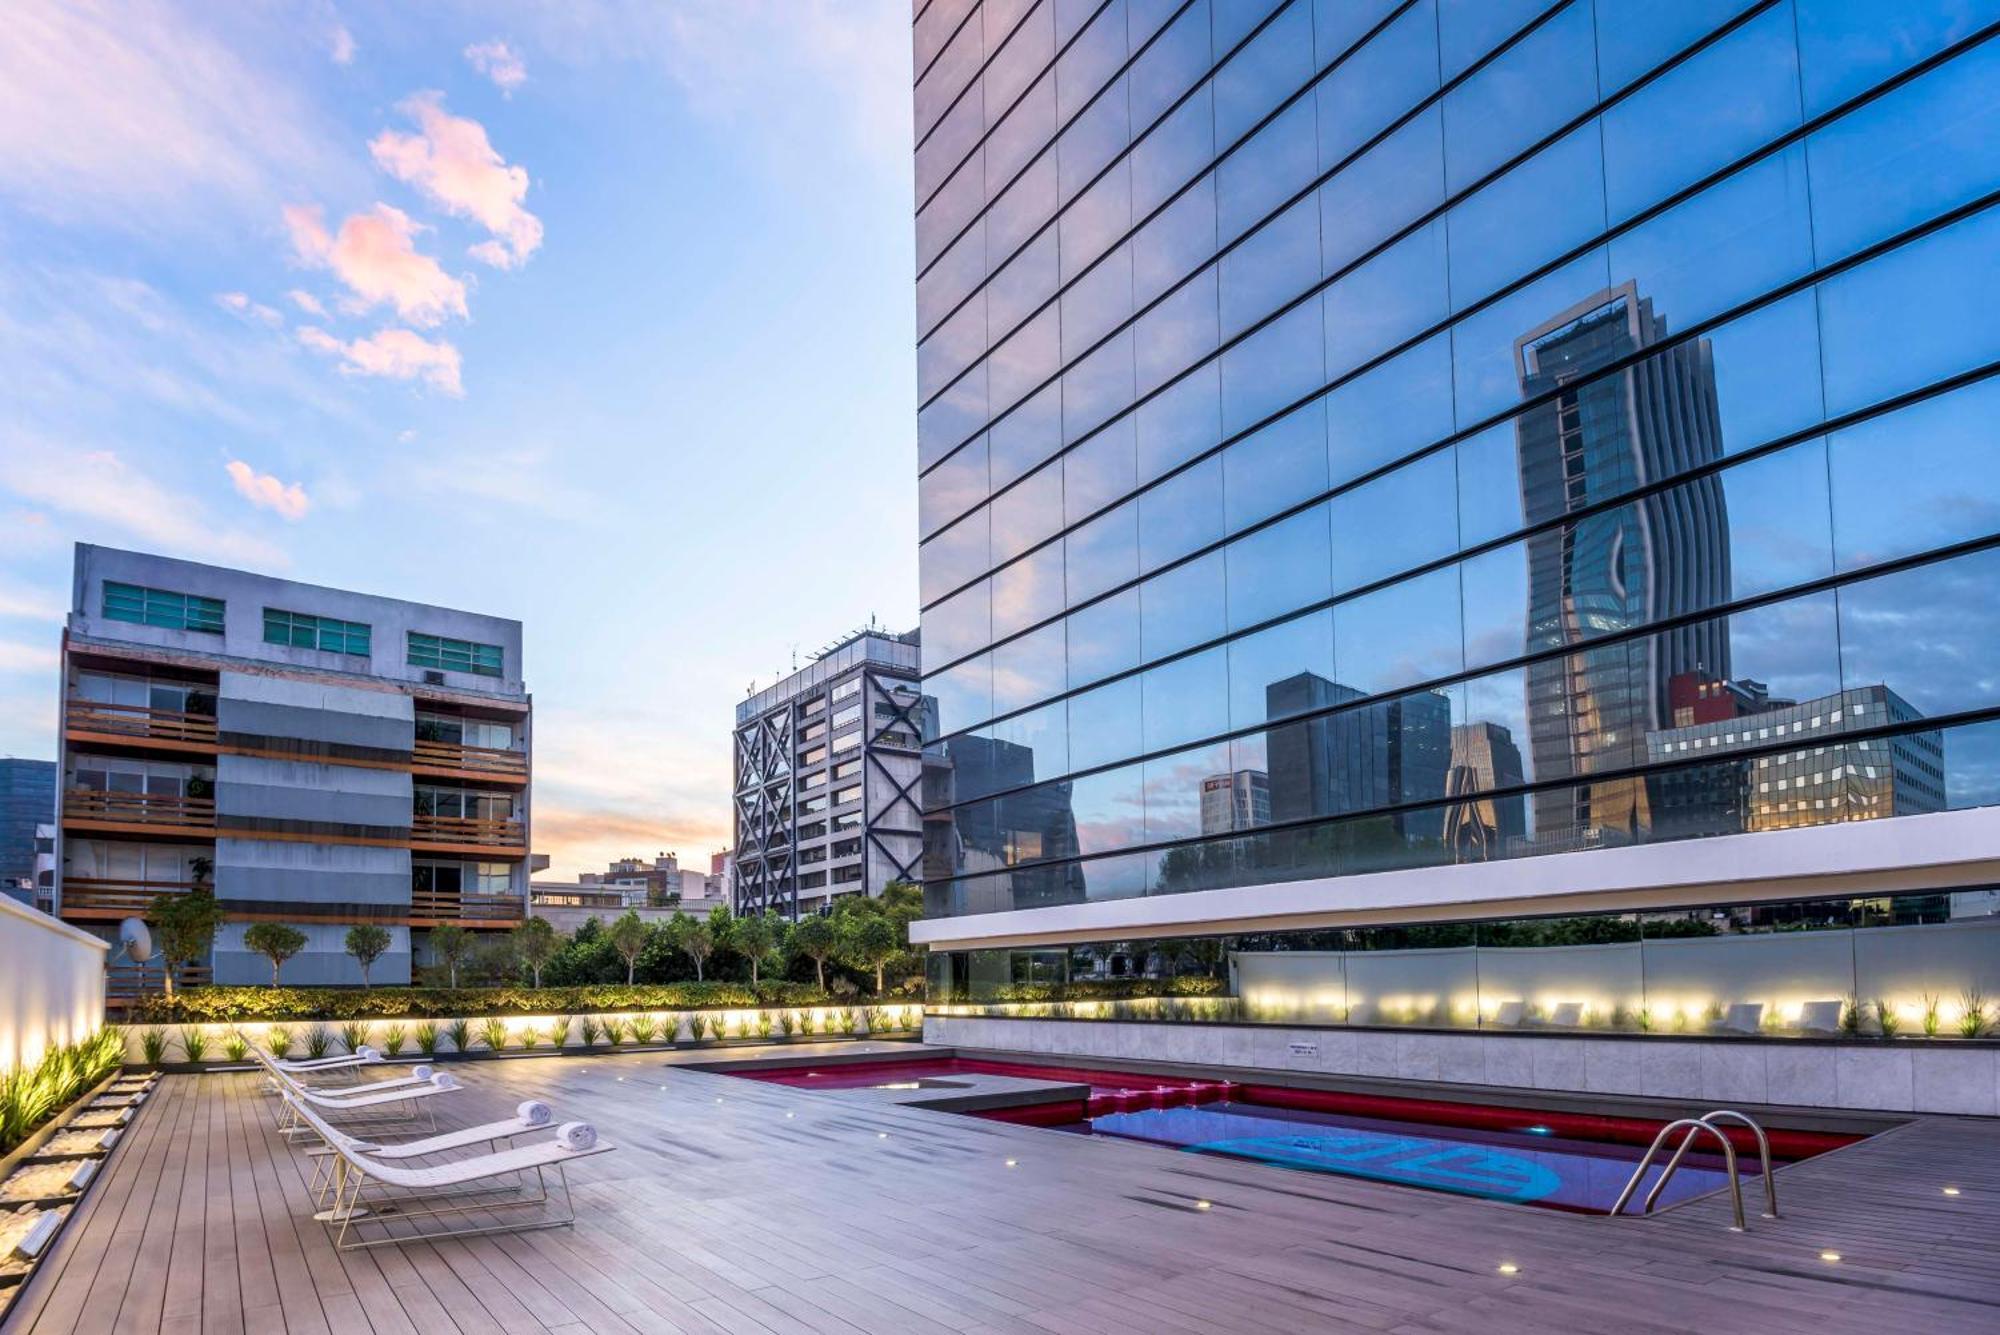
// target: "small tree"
[[536, 941], [184, 926], [628, 938], [868, 942], [751, 937], [367, 942], [450, 944], [276, 942], [693, 938], [816, 939]]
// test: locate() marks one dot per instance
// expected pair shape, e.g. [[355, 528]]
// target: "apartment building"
[[318, 757], [828, 765]]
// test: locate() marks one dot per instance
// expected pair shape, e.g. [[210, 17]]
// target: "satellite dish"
[[137, 940]]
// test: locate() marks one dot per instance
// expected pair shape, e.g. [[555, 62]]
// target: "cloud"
[[240, 304], [18, 657], [673, 796], [267, 492], [30, 604], [374, 254], [136, 117], [306, 302], [340, 45], [397, 354], [525, 478], [453, 165], [100, 485], [499, 63]]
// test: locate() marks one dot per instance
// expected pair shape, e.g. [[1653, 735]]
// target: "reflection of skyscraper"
[[1027, 825], [1483, 758], [1236, 801], [1393, 751], [1826, 779], [1655, 557]]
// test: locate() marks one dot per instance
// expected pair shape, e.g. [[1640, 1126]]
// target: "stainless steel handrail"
[[1763, 1155], [1695, 1126]]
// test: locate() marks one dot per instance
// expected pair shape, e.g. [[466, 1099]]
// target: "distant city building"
[[1238, 801], [27, 799], [827, 768], [321, 758], [1484, 758], [1827, 778], [1353, 760]]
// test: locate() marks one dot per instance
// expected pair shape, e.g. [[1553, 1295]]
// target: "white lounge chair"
[[1821, 1017], [1508, 1016], [371, 1106], [530, 1116], [376, 1203], [1567, 1015]]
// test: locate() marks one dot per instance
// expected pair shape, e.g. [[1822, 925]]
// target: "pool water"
[[1525, 1168], [1561, 1160]]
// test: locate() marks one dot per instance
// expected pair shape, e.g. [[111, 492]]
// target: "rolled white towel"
[[535, 1113], [577, 1135], [444, 1080], [370, 1057], [423, 1072], [364, 1052]]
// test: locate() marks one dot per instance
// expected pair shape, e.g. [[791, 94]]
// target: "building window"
[[302, 631], [847, 743], [847, 875], [162, 607], [436, 651], [846, 848], [847, 769], [847, 690], [843, 796], [851, 714]]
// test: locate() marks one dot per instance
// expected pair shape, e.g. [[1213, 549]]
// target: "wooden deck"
[[719, 1213]]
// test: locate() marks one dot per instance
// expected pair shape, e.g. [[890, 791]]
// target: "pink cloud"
[[340, 45], [375, 255], [241, 304], [452, 163], [267, 492], [305, 301], [500, 63], [397, 354]]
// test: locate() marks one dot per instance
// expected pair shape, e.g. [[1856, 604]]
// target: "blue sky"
[[593, 314]]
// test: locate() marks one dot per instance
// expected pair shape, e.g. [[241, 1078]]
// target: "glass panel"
[[1102, 554], [1386, 188], [1181, 514], [1925, 636], [1547, 205], [1028, 591], [1182, 607], [1104, 638], [1541, 82], [1389, 410], [1276, 467], [1028, 669], [1104, 724], [1395, 522], [1405, 633], [1378, 83], [1848, 46], [1177, 802], [1302, 646], [1279, 569], [1918, 479]]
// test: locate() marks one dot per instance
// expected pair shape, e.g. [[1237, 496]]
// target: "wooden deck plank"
[[730, 1217]]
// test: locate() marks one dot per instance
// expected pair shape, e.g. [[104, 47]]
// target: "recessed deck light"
[[1202, 1205], [881, 1135], [1509, 1268], [1010, 1163], [1951, 1191], [1538, 1131], [791, 1115], [1829, 1256]]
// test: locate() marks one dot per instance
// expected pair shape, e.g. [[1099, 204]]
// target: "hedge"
[[1112, 989], [231, 1005]]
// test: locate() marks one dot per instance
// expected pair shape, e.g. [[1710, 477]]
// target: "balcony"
[[430, 908], [141, 813], [171, 729], [126, 982], [454, 759], [468, 832], [109, 900]]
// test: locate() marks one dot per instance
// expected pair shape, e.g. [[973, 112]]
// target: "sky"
[[593, 314]]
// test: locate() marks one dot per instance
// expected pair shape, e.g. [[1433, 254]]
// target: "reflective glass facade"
[[1367, 435]]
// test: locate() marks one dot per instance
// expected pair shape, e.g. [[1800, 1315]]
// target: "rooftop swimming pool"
[[1553, 1159]]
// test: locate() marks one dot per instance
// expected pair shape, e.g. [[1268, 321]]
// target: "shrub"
[[808, 1021], [354, 1034], [616, 1029], [460, 1033], [236, 1047], [1972, 1013], [1113, 989], [30, 1095], [194, 1043], [227, 1005], [589, 1031], [394, 1038], [319, 1041], [763, 1024], [279, 1040], [530, 1037], [643, 1027], [787, 1023], [153, 1043], [427, 1038], [494, 1031]]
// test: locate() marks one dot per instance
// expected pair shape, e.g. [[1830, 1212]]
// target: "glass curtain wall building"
[[1502, 437]]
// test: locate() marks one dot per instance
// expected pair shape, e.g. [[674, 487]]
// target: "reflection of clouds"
[[1792, 647], [1928, 634], [1972, 765]]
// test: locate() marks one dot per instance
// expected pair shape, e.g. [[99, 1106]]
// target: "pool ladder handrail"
[[1695, 1126]]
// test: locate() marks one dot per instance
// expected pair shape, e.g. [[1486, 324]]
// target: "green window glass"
[[162, 607], [310, 632], [436, 651]]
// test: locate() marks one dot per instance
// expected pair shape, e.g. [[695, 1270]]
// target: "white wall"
[[51, 984]]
